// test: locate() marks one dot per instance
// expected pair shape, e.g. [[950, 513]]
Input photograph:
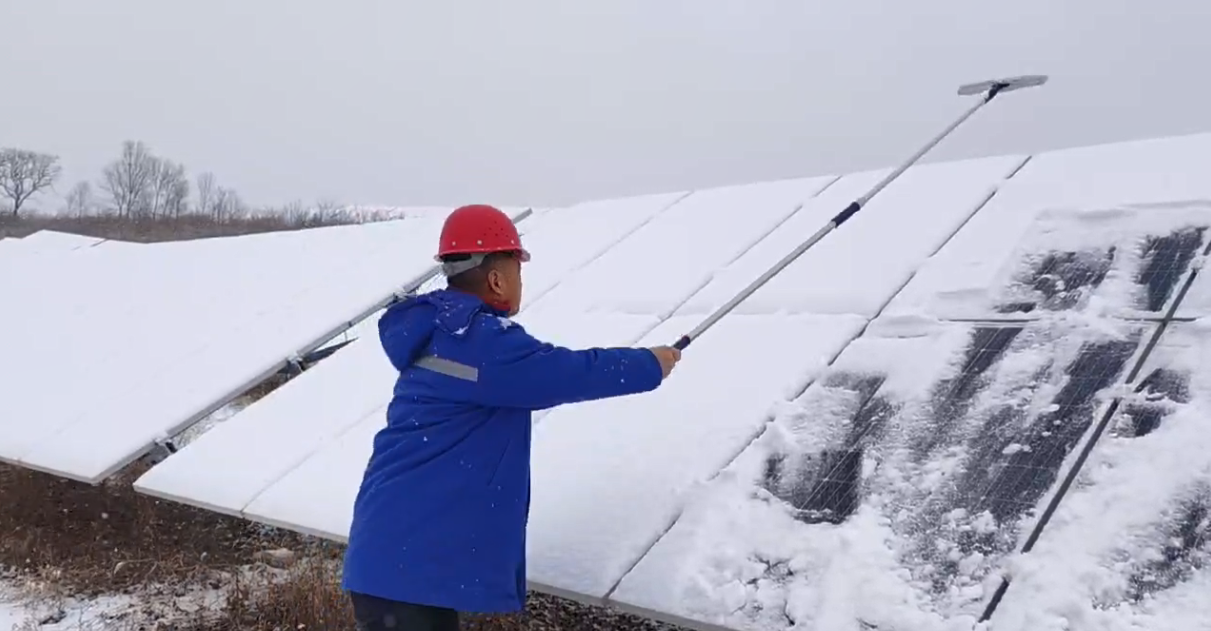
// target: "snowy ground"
[[102, 613]]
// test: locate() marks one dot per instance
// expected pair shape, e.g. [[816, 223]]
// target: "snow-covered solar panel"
[[662, 265], [808, 467], [54, 241], [25, 256], [609, 476], [858, 268], [582, 541], [567, 239], [8, 257], [1128, 548], [335, 469], [903, 483], [1077, 225], [575, 241], [305, 415], [148, 337], [894, 487]]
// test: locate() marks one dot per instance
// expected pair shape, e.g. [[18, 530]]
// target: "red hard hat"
[[479, 229]]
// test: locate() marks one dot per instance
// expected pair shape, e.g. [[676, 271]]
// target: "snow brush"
[[990, 89]]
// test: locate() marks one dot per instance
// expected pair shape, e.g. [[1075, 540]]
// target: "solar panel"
[[677, 253], [1068, 211], [1128, 546], [148, 337], [561, 241], [54, 241], [856, 270], [610, 476], [225, 468], [923, 453], [775, 484], [570, 238], [343, 459]]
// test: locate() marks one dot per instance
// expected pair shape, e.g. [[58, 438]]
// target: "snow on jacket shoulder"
[[441, 514]]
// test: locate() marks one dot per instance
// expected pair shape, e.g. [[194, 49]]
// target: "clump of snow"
[[1130, 545]]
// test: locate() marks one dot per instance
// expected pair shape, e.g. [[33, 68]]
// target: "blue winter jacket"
[[440, 517]]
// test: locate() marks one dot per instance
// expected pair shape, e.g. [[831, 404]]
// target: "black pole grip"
[[682, 343], [844, 215]]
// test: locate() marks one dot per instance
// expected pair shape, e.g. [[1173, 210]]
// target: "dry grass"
[[309, 597], [108, 539], [165, 229], [64, 539]]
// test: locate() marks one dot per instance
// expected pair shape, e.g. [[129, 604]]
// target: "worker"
[[439, 523]]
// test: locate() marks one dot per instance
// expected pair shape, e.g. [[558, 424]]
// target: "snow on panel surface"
[[568, 238], [316, 495], [1130, 545], [674, 255], [53, 241], [1161, 177], [857, 268], [609, 476], [889, 493], [304, 413], [227, 466], [1125, 261], [171, 328], [29, 256], [376, 212]]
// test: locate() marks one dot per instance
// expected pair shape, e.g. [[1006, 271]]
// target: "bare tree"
[[23, 173], [294, 213], [329, 212], [228, 205], [79, 200], [167, 181], [219, 205], [206, 193], [128, 179], [156, 187], [326, 206], [178, 196]]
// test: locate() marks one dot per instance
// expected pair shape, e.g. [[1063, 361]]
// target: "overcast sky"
[[552, 101]]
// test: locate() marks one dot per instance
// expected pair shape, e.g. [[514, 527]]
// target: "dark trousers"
[[378, 614]]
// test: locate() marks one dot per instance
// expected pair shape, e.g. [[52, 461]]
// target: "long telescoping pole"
[[990, 89]]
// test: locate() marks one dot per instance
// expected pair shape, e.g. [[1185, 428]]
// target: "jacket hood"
[[407, 326]]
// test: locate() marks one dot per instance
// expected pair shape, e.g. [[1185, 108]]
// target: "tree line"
[[140, 185]]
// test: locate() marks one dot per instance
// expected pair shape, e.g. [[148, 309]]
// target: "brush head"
[[1006, 84]]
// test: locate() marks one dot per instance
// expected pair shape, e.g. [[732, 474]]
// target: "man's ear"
[[495, 281]]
